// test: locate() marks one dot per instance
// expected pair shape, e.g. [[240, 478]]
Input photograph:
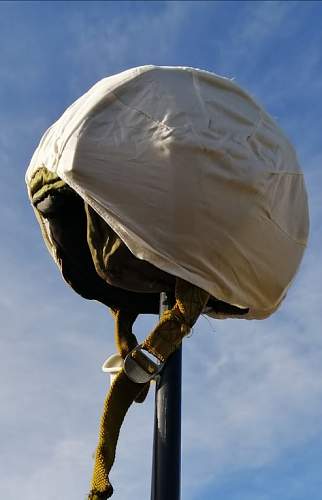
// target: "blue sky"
[[252, 393]]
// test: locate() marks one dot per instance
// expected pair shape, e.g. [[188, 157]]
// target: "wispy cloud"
[[139, 36]]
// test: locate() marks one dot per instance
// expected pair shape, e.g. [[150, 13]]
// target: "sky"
[[252, 390]]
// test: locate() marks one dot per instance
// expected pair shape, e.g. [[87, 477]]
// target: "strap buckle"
[[142, 369]]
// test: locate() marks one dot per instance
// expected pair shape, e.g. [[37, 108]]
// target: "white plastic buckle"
[[136, 372], [113, 365]]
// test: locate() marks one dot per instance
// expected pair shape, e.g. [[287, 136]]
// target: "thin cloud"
[[101, 48]]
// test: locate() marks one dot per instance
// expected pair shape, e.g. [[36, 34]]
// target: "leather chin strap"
[[167, 336]]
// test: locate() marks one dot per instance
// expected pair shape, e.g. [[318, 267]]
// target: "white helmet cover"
[[193, 175]]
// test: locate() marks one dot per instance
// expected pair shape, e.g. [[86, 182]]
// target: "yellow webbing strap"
[[120, 397], [162, 342], [126, 341], [177, 322]]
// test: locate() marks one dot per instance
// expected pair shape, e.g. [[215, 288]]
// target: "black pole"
[[166, 465]]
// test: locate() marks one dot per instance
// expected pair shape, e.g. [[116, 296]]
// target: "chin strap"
[[132, 383], [126, 342]]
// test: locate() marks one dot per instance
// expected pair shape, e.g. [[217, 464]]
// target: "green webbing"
[[126, 341], [120, 397], [162, 342], [176, 323]]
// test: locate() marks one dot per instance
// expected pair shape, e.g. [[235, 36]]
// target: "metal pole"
[[166, 465]]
